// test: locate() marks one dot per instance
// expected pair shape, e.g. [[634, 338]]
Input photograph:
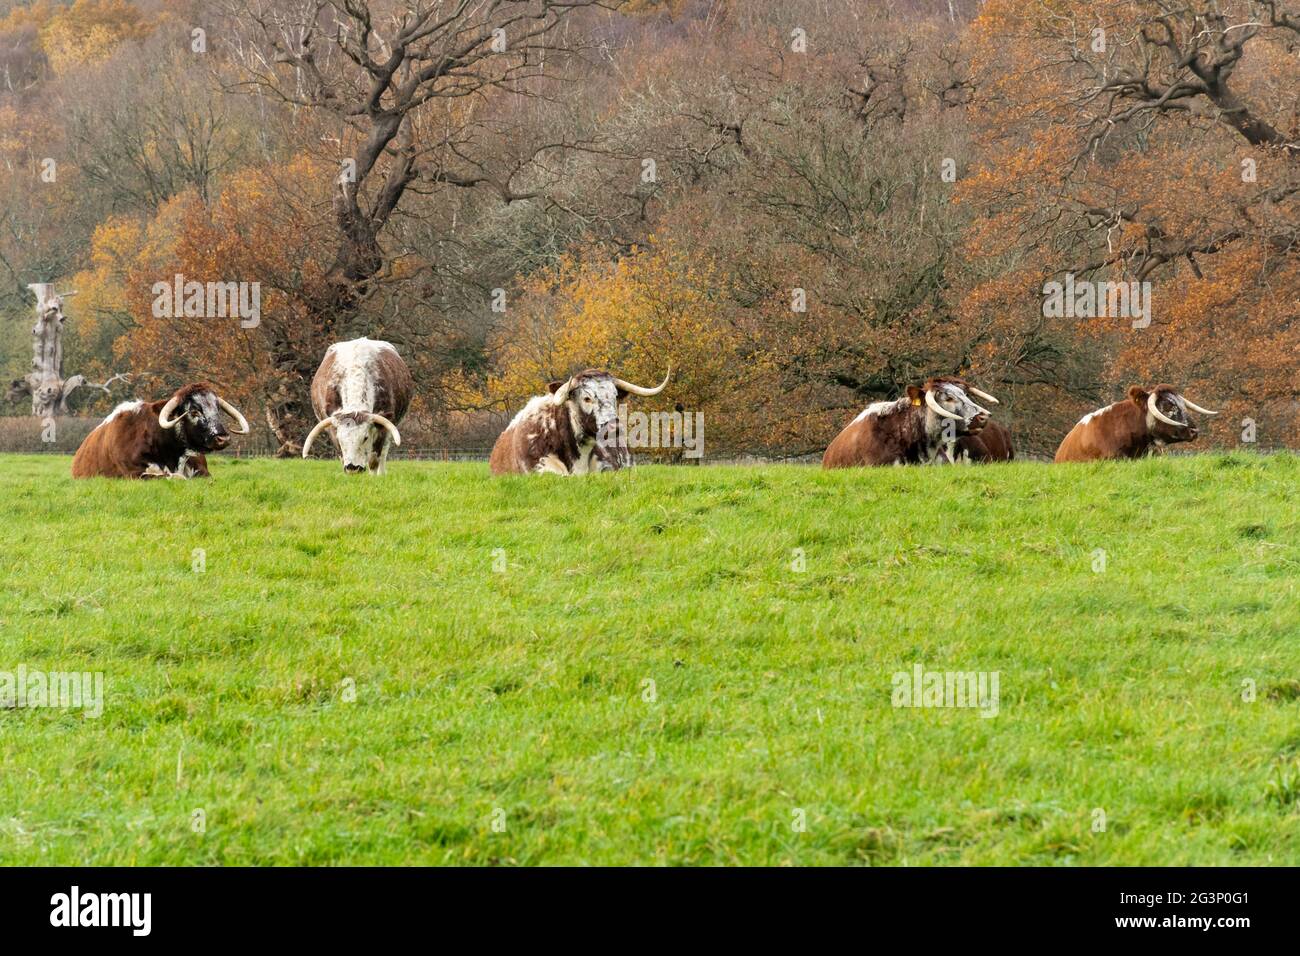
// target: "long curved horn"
[[561, 394], [642, 390], [1161, 416], [389, 426], [984, 395], [166, 411], [311, 436], [939, 409], [233, 412], [1194, 407]]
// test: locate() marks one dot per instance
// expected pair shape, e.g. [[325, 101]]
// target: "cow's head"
[[359, 436], [949, 399], [194, 414], [1167, 417], [592, 399]]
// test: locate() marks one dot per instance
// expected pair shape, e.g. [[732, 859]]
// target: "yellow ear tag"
[[916, 401]]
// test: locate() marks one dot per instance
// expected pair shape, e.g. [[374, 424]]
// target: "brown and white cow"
[[1147, 421], [993, 443], [162, 439], [922, 427], [360, 392], [572, 431]]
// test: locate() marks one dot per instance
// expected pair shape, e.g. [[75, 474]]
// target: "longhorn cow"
[[573, 430], [1147, 421], [360, 392], [922, 427], [162, 439]]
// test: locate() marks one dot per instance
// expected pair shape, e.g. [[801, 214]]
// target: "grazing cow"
[[572, 431], [1149, 420], [360, 392], [993, 443], [914, 429], [163, 439]]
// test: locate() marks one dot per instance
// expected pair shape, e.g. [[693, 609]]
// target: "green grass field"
[[648, 679]]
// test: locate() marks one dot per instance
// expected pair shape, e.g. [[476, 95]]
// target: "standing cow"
[[1149, 420], [914, 429], [360, 392], [162, 439], [571, 431]]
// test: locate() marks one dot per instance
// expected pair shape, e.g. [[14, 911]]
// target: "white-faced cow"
[[162, 439], [1146, 422], [922, 427], [360, 392], [572, 431]]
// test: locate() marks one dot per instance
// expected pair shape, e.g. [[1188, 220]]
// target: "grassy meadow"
[[660, 666]]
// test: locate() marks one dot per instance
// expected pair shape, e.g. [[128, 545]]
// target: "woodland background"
[[646, 183]]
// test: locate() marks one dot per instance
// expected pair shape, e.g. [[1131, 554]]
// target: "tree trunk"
[[45, 380], [45, 383]]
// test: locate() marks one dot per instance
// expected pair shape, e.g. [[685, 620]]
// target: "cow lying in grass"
[[1147, 421], [922, 427], [162, 439], [571, 431], [993, 443]]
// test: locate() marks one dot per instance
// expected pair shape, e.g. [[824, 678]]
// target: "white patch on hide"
[[123, 409]]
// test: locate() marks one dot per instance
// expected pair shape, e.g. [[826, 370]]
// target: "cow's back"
[[393, 384], [1072, 446], [114, 447], [862, 442], [91, 459], [993, 443], [1090, 442], [840, 453], [504, 459]]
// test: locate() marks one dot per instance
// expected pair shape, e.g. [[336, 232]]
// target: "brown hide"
[[895, 435], [991, 444], [1122, 431], [127, 443], [546, 432], [393, 386]]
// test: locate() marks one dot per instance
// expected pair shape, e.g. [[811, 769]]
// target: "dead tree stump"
[[45, 383]]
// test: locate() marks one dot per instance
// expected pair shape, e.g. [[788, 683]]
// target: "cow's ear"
[[553, 387], [1138, 394], [915, 394]]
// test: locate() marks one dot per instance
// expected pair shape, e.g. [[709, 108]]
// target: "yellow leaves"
[[101, 289], [36, 15], [115, 242], [89, 30], [636, 316]]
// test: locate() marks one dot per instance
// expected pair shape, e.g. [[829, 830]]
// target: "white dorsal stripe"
[[877, 408], [353, 372], [122, 409], [1093, 414]]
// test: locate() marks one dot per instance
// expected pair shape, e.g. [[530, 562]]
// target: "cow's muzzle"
[[977, 424], [220, 441], [354, 469]]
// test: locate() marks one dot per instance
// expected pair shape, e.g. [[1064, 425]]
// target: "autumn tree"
[[264, 232], [405, 84], [1144, 141], [636, 316]]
